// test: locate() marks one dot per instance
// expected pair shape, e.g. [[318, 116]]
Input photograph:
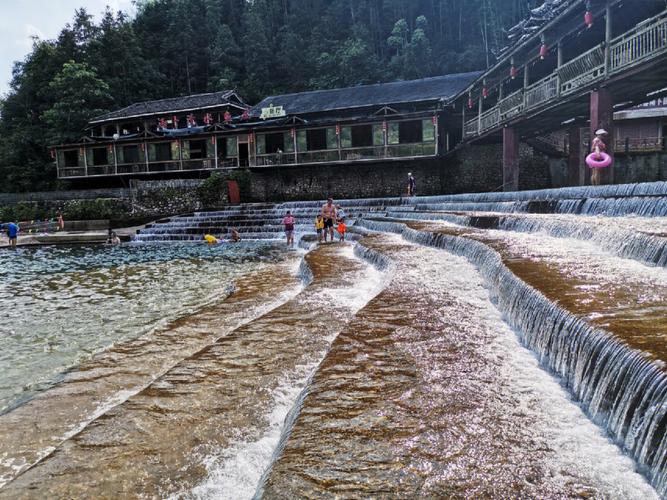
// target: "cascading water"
[[619, 388]]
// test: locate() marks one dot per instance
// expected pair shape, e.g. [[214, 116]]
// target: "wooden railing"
[[638, 145], [511, 106], [582, 70], [541, 92], [644, 41], [490, 119]]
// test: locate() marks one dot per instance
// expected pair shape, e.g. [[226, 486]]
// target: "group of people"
[[330, 216]]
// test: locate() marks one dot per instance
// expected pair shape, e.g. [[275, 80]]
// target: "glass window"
[[288, 142], [301, 140], [332, 138], [175, 150], [261, 144], [232, 146], [428, 130], [273, 143], [378, 135], [393, 135], [159, 152], [346, 137]]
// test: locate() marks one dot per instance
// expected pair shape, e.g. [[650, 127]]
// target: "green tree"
[[80, 96]]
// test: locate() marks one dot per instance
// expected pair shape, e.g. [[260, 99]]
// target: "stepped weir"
[[490, 344]]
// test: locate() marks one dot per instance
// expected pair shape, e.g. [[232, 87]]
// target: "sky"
[[22, 19]]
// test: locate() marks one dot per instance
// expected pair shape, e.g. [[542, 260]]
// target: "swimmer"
[[235, 236], [211, 240], [115, 240], [289, 221]]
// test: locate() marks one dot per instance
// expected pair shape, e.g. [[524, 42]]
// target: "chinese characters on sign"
[[272, 112]]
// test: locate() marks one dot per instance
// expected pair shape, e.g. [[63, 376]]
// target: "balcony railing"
[[642, 43], [638, 145], [542, 91]]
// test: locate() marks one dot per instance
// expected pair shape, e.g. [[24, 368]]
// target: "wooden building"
[[383, 122]]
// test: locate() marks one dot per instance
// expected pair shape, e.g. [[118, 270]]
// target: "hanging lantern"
[[588, 16], [227, 117], [485, 92], [470, 101], [337, 129], [513, 72], [213, 140], [245, 115], [434, 119], [544, 51]]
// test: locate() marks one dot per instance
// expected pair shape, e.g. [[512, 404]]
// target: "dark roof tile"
[[173, 104], [438, 87]]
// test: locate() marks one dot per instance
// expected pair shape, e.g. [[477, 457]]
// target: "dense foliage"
[[258, 47]]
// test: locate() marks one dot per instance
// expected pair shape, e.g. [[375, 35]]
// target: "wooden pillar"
[[607, 37], [463, 126], [510, 159], [559, 64], [602, 116], [574, 166]]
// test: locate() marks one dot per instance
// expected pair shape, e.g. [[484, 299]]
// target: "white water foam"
[[235, 472], [582, 452]]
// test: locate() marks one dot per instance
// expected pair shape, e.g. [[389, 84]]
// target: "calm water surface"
[[62, 304]]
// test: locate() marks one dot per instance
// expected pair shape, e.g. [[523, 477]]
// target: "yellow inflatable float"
[[210, 239]]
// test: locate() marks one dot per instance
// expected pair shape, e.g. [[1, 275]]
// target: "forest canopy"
[[258, 47]]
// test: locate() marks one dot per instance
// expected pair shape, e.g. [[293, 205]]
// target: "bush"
[[213, 191], [101, 208]]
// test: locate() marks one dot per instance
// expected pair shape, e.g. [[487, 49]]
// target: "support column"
[[574, 167], [510, 159], [602, 116]]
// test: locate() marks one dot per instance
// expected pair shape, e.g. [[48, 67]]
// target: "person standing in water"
[[329, 216], [598, 146], [411, 185], [289, 221], [12, 233]]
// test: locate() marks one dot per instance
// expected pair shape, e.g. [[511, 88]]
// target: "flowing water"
[[504, 345]]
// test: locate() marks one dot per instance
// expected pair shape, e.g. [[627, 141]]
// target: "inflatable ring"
[[210, 239], [593, 162]]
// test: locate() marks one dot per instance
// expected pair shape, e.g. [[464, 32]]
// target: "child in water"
[[342, 229], [319, 227]]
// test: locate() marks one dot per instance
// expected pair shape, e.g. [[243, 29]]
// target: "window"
[[428, 130], [332, 138], [261, 144], [288, 140], [410, 132], [362, 136], [301, 140], [197, 149], [71, 158], [393, 136], [274, 142], [378, 135], [317, 139], [100, 156], [346, 137], [131, 154], [161, 151], [232, 146]]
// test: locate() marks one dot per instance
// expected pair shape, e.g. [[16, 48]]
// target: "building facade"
[[372, 123]]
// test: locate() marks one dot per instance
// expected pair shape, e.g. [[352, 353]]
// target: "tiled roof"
[[435, 88], [171, 105]]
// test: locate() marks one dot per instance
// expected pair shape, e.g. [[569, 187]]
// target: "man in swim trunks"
[[329, 216]]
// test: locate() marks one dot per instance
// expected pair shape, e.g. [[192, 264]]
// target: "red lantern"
[[53, 154], [143, 147], [110, 148], [292, 132], [251, 137], [513, 72], [208, 118], [470, 102], [384, 126], [485, 92], [434, 119], [175, 118], [213, 140], [245, 115], [544, 51], [588, 18], [227, 117]]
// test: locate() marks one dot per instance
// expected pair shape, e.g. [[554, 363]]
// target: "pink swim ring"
[[601, 160]]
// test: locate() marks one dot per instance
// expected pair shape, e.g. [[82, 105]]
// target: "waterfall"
[[620, 389]]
